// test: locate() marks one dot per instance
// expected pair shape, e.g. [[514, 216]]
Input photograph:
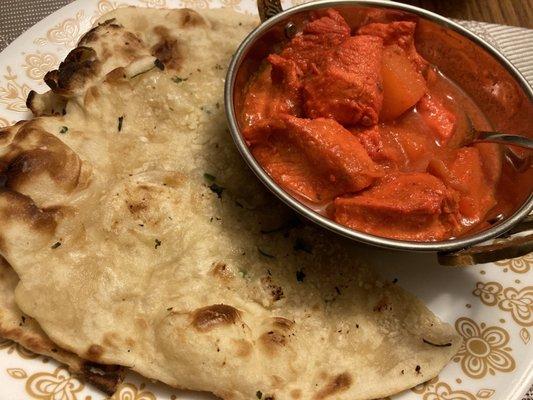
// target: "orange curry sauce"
[[362, 129]]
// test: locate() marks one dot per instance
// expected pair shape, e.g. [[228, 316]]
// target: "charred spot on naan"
[[383, 304], [18, 206], [104, 48], [273, 341], [104, 377], [37, 164], [276, 335], [80, 66], [336, 385], [296, 394], [62, 167], [29, 163], [167, 49], [191, 18], [143, 202], [94, 352], [243, 348], [48, 103], [111, 40], [283, 323], [148, 203], [221, 270], [117, 76], [206, 318], [7, 134], [275, 292], [23, 223]]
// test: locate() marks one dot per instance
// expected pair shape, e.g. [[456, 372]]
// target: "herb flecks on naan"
[[143, 240], [20, 328], [126, 42]]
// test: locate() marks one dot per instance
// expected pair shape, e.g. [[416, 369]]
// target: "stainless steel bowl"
[[476, 66]]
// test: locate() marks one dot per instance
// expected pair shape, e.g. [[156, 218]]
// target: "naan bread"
[[127, 39], [141, 239], [16, 326]]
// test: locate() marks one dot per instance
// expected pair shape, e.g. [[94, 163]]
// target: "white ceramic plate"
[[490, 305]]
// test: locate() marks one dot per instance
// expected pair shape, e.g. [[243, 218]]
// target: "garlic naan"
[[24, 330], [141, 239]]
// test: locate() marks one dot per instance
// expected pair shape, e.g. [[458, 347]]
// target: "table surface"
[[16, 16], [505, 12]]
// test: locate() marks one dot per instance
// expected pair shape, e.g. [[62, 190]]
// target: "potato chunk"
[[403, 85]]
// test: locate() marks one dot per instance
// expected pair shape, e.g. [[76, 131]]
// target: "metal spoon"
[[501, 138], [520, 161]]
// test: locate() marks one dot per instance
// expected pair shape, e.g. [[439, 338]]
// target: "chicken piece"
[[267, 98], [293, 171], [332, 148], [465, 174], [437, 117], [399, 33], [407, 206], [371, 141], [323, 33], [378, 150], [285, 72], [347, 84], [277, 88], [318, 159]]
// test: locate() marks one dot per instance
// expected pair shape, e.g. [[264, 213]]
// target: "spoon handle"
[[502, 138], [268, 8]]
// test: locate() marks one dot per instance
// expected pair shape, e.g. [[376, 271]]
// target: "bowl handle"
[[268, 8], [509, 247]]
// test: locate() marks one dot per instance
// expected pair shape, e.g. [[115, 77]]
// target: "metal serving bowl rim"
[[448, 245]]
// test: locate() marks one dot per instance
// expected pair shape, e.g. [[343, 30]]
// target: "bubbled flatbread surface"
[[141, 239], [24, 330]]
